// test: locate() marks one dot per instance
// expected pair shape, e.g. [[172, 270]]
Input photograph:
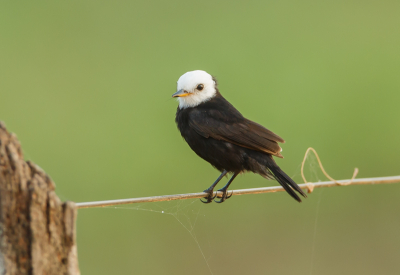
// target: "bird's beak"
[[180, 93]]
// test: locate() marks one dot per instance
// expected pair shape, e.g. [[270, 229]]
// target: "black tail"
[[287, 183]]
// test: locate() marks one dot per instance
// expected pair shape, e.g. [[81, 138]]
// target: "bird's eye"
[[200, 87]]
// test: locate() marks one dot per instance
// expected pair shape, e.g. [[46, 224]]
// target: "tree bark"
[[37, 230]]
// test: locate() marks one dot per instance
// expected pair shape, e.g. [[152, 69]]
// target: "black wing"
[[229, 125]]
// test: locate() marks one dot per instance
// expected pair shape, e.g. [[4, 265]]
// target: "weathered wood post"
[[37, 230]]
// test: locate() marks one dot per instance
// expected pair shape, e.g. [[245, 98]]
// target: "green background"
[[86, 86]]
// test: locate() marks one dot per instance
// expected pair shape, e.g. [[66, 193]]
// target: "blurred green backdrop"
[[86, 86]]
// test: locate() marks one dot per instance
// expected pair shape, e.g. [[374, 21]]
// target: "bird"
[[218, 133]]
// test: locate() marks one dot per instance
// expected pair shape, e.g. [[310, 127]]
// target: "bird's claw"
[[207, 201], [224, 196], [210, 196]]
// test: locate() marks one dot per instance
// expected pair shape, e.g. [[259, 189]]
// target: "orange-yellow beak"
[[180, 93]]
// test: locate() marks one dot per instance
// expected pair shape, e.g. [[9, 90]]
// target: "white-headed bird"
[[219, 134]]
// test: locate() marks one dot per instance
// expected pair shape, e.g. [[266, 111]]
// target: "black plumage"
[[219, 134]]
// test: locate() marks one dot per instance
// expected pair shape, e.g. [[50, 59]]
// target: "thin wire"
[[272, 189]]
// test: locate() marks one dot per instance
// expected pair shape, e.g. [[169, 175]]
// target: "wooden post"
[[37, 230]]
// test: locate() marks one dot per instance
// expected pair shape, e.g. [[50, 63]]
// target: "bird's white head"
[[194, 88]]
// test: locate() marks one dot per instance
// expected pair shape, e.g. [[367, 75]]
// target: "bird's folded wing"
[[237, 130]]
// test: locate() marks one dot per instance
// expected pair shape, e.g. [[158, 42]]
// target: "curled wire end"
[[350, 181], [309, 188]]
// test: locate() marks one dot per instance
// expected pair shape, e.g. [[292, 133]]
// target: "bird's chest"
[[190, 135], [197, 142]]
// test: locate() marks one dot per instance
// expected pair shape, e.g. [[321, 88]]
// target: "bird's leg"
[[210, 190], [225, 189]]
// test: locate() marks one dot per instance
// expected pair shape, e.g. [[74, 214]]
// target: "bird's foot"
[[210, 196], [224, 195]]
